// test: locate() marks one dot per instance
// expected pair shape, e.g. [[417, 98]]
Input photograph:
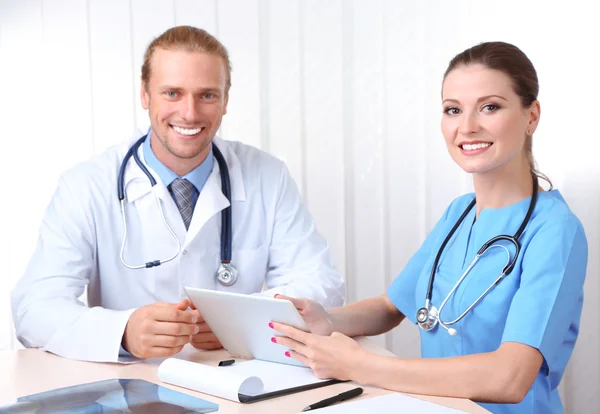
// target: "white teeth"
[[185, 131], [473, 147]]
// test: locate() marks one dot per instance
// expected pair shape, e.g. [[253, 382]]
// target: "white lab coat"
[[275, 243]]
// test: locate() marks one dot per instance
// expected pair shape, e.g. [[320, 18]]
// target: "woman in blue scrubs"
[[510, 350]]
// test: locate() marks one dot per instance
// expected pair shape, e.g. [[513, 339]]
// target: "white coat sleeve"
[[46, 310], [300, 263]]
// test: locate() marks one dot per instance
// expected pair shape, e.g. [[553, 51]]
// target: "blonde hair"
[[189, 39]]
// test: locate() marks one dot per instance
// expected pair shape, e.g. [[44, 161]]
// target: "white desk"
[[31, 371]]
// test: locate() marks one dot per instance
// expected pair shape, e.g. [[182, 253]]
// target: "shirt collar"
[[197, 176]]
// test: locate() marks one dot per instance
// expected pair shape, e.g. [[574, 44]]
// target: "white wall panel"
[[199, 13], [323, 101], [365, 164], [283, 75], [405, 142], [67, 86], [114, 97], [239, 31]]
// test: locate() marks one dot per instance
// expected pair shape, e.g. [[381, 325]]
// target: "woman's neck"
[[502, 187]]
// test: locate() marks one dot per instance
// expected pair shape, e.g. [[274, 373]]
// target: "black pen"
[[335, 399]]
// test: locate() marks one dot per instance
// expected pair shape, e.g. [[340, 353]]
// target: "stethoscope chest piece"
[[427, 317], [227, 274]]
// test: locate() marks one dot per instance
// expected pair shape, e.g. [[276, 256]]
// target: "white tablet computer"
[[241, 322]]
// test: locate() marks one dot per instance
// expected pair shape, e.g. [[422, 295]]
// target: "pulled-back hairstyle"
[[189, 39], [511, 61]]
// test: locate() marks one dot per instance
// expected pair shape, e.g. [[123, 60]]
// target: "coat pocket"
[[251, 265]]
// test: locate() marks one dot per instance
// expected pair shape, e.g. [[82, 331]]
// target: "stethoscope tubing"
[[226, 214], [429, 311]]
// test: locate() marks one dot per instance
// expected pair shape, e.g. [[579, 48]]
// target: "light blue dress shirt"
[[539, 304], [197, 176]]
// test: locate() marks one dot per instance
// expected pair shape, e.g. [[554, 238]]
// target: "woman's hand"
[[336, 356], [314, 314]]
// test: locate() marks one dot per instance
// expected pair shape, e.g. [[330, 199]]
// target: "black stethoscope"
[[429, 316], [227, 274]]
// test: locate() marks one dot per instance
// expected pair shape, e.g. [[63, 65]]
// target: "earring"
[[529, 131]]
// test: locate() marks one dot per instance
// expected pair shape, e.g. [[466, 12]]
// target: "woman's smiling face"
[[484, 122]]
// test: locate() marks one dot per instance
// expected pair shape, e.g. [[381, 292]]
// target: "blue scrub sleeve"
[[402, 291], [546, 309]]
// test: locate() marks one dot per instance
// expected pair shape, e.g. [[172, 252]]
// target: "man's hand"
[[160, 329], [204, 339]]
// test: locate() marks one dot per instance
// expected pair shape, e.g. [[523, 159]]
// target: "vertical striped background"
[[346, 92]]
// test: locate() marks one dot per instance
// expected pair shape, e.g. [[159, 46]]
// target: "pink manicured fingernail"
[[274, 340], [271, 325], [287, 354], [277, 294]]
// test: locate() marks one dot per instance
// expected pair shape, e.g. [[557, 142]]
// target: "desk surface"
[[31, 371]]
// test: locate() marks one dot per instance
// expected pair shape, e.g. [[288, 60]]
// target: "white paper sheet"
[[248, 378], [206, 379], [388, 404], [275, 376]]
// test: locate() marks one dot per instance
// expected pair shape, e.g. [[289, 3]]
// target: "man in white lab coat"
[[143, 312]]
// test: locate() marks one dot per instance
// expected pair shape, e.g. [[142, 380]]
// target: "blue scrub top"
[[538, 304]]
